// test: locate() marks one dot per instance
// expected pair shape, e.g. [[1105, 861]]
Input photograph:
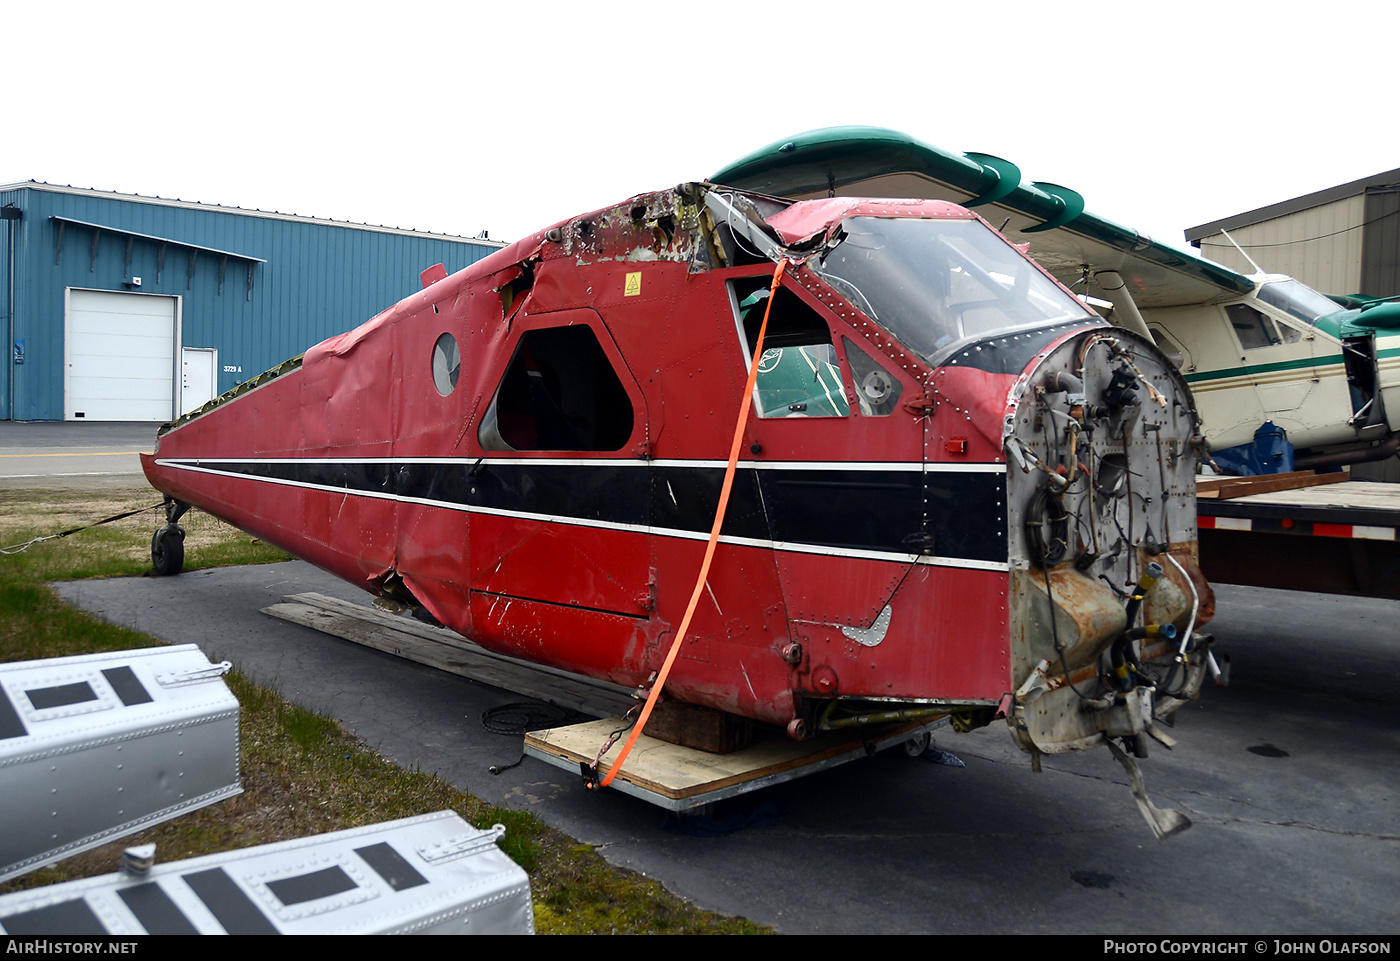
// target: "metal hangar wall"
[[122, 307], [1342, 240]]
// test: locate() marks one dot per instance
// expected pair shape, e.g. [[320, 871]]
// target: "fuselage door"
[[838, 462], [1297, 373], [560, 494]]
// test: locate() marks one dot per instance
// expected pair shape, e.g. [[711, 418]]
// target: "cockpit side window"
[[1255, 329], [799, 374], [1169, 345], [559, 393], [877, 391]]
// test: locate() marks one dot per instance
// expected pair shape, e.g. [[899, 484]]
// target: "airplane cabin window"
[[447, 364], [1169, 346], [1287, 334], [560, 393], [798, 374], [877, 391], [1253, 328]]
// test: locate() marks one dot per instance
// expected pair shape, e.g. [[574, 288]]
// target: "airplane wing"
[[1064, 237]]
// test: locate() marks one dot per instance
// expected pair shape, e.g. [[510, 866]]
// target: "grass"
[[302, 773]]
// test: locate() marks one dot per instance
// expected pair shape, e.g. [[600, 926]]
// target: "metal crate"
[[96, 747], [433, 874]]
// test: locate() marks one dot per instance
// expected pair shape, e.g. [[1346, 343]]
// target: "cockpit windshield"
[[937, 283], [1298, 300]]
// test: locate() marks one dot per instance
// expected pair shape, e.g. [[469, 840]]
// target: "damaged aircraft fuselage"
[[950, 469]]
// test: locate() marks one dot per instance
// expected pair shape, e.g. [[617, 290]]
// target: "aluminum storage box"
[[433, 874], [96, 747]]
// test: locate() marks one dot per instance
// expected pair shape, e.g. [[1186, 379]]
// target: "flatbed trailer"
[[1301, 532]]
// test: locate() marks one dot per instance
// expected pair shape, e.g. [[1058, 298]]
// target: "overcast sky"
[[464, 117]]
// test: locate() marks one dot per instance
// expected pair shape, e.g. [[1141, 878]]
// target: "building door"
[[119, 356], [198, 378]]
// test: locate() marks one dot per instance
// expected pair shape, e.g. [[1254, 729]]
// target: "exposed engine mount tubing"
[[829, 723], [1364, 455]]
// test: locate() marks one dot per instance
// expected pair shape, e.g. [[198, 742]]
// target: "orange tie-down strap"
[[714, 535]]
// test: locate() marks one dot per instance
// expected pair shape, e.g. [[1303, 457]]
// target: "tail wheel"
[[168, 550], [918, 744]]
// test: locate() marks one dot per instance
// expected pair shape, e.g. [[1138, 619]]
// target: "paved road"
[[72, 454], [1289, 776]]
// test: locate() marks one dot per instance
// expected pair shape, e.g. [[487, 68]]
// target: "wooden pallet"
[[682, 778]]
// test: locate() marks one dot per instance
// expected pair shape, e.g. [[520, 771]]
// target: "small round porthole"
[[447, 363]]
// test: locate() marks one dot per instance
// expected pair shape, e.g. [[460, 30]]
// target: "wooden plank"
[[1227, 488], [1214, 482], [450, 652], [1263, 485], [444, 635], [1355, 495]]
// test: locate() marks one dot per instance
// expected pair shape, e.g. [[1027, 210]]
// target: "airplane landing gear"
[[918, 744], [168, 542]]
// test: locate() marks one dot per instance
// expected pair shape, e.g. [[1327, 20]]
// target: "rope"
[[522, 716], [714, 536], [20, 548]]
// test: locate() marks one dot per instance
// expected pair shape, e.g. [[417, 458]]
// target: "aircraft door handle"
[[919, 405]]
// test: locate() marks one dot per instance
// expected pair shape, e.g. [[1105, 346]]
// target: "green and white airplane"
[[1255, 349]]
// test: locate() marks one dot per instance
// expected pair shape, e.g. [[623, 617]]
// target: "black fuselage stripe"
[[963, 513]]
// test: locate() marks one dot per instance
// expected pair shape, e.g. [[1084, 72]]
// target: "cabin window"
[[877, 391], [1170, 346], [1287, 333], [798, 374], [447, 364], [560, 392], [1256, 330]]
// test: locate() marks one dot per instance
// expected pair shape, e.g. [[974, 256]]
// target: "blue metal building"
[[122, 307]]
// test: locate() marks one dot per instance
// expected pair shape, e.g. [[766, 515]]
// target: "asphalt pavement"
[[1289, 776], [97, 455]]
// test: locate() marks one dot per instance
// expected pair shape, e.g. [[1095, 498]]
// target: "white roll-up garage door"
[[119, 356]]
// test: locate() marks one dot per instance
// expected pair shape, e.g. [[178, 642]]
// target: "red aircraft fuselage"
[[532, 449]]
